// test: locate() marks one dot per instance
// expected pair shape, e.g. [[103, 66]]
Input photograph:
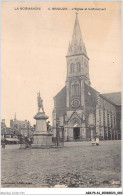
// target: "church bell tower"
[[77, 70]]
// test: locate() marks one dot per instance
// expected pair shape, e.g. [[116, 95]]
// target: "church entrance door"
[[76, 133]]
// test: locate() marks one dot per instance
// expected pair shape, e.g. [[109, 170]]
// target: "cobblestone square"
[[77, 164]]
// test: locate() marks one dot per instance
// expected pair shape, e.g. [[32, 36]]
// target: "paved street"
[[78, 164]]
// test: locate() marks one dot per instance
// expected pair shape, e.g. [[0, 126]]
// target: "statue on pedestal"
[[40, 102], [42, 138]]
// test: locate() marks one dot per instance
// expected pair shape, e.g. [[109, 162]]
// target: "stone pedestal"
[[42, 139]]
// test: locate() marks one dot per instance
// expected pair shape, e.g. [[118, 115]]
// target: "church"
[[80, 110]]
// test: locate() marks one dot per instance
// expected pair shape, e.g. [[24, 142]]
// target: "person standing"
[[97, 141]]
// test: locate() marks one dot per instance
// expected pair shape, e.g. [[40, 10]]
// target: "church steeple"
[[77, 59], [77, 45], [77, 35]]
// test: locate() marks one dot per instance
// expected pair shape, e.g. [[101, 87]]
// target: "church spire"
[[77, 45], [77, 36]]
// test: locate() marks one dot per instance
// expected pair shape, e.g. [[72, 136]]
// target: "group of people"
[[26, 142], [95, 141]]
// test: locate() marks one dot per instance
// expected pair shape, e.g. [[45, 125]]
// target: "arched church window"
[[72, 68], [78, 66], [75, 89]]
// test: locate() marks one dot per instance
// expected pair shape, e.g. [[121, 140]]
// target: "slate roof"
[[90, 96], [61, 102], [113, 97]]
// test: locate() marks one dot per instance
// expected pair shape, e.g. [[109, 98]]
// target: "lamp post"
[[28, 128], [62, 128], [57, 132]]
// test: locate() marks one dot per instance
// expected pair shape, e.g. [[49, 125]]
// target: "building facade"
[[18, 124], [82, 111], [24, 127], [3, 124]]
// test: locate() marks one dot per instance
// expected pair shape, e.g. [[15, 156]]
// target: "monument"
[[42, 139]]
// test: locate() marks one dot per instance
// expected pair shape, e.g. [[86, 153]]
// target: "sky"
[[34, 48]]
